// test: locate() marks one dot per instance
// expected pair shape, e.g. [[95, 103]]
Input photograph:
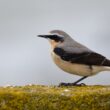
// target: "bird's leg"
[[75, 83]]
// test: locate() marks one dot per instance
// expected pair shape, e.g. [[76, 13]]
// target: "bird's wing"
[[86, 57]]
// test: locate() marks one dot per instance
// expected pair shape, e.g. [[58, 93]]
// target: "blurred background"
[[25, 58]]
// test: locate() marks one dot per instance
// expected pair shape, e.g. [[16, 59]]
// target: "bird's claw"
[[71, 84]]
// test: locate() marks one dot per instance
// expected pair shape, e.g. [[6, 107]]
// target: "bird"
[[75, 58]]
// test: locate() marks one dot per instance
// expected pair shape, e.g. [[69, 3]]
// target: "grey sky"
[[25, 59]]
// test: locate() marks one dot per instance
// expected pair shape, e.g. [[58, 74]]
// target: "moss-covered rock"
[[37, 97]]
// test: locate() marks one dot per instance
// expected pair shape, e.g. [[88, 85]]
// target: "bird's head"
[[55, 37]]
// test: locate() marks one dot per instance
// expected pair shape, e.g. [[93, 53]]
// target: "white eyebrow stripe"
[[57, 34]]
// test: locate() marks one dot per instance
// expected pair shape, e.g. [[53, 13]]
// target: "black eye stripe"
[[56, 38]]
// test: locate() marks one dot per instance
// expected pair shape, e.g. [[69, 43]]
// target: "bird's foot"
[[71, 84]]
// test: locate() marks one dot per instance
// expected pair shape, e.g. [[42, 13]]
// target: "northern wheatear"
[[73, 57]]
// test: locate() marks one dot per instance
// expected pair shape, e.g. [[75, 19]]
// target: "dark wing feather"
[[88, 58]]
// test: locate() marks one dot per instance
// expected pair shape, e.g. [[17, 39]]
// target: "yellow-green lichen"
[[37, 97]]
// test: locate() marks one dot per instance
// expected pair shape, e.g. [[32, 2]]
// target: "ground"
[[37, 97]]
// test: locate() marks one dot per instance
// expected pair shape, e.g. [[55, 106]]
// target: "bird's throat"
[[53, 43]]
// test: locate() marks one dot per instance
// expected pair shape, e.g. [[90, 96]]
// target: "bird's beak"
[[52, 37], [43, 36]]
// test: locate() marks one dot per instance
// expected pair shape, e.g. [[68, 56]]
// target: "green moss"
[[37, 97]]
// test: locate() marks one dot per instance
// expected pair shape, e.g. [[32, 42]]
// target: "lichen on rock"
[[36, 97]]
